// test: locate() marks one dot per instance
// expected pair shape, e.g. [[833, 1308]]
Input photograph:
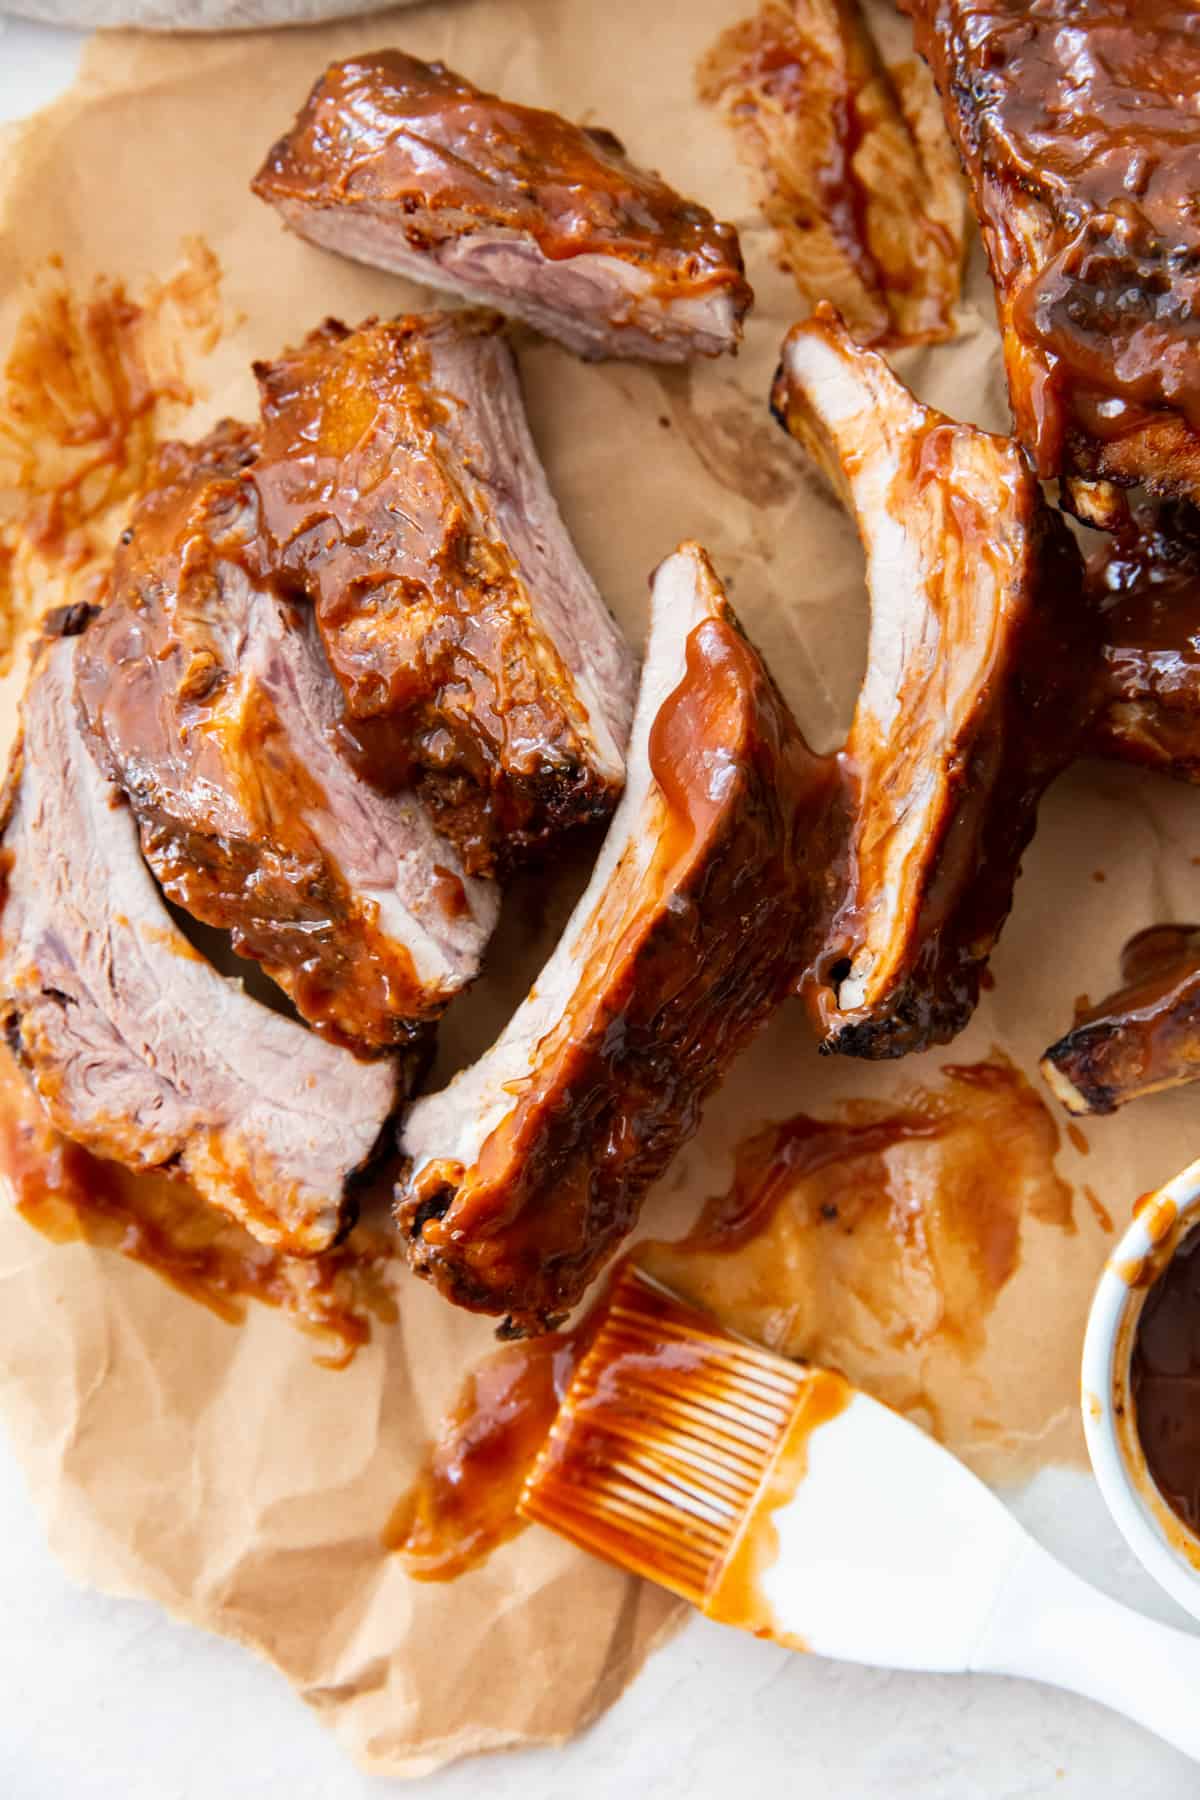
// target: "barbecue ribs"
[[1078, 126], [409, 167], [975, 695]]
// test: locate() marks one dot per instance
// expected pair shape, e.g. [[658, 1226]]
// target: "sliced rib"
[[138, 1048], [1141, 1039], [1078, 126], [400, 488], [411, 168], [973, 699], [527, 1170], [215, 711]]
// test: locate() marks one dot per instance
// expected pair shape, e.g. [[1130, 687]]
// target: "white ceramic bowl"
[[1157, 1537]]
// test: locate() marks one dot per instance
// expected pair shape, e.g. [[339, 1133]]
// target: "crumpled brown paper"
[[219, 1469]]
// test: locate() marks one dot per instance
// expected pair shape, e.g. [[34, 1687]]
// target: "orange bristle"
[[664, 1440]]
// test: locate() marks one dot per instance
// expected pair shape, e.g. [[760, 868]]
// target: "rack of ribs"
[[1077, 123]]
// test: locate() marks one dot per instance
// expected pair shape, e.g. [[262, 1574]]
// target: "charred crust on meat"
[[1141, 1039], [433, 1206]]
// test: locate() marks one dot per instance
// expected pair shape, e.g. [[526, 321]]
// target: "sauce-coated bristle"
[[664, 1440]]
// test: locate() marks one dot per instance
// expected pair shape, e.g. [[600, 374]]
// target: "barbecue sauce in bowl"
[[1165, 1382]]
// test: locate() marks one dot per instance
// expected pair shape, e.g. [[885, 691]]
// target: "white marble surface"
[[105, 1699]]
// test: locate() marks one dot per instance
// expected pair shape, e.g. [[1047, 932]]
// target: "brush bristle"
[[664, 1440]]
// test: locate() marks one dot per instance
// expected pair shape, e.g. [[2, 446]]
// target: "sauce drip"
[[463, 1503], [88, 382], [155, 1219], [859, 180], [1100, 1212], [1165, 1381]]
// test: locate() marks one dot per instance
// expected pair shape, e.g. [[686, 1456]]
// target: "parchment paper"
[[219, 1469]]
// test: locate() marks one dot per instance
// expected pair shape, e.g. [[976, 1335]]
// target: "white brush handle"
[[1048, 1625]]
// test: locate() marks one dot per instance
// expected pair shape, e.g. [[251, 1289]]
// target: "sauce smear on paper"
[[90, 380], [71, 1196], [463, 1503], [916, 1208], [858, 178]]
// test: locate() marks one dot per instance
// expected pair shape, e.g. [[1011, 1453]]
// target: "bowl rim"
[[1158, 1538]]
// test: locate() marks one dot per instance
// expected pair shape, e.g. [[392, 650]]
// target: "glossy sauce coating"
[[1146, 582], [370, 509], [160, 1221], [688, 965], [1165, 1381], [859, 181], [1077, 122], [1027, 710], [193, 744], [386, 130], [978, 618], [1143, 1037]]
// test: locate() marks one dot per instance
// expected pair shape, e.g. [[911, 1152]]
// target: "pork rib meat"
[[137, 1047], [527, 1170], [409, 167]]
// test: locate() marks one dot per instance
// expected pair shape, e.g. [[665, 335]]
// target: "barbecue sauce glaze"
[[386, 130], [447, 678], [1146, 1035], [1081, 115], [686, 959], [858, 181]]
